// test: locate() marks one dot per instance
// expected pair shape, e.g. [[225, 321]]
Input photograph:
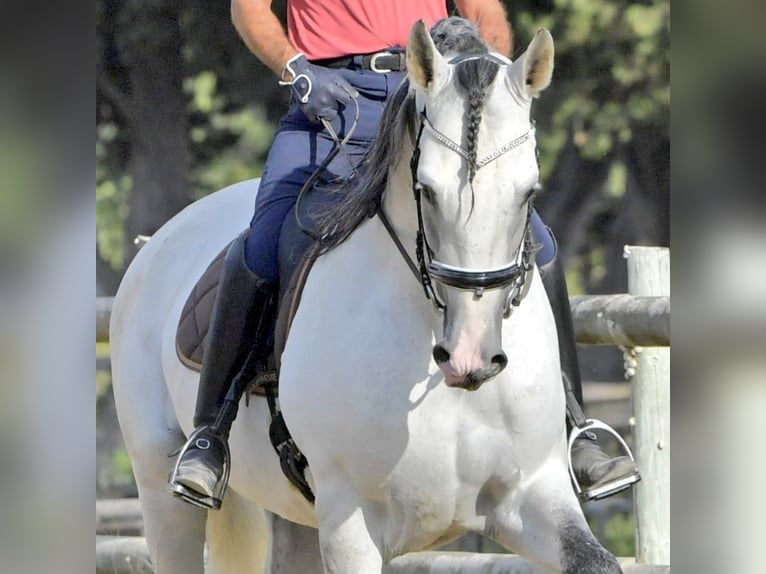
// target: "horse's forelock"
[[456, 35], [472, 77]]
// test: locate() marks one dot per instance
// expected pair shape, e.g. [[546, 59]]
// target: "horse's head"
[[475, 169]]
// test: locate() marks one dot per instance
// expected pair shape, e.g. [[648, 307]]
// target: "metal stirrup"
[[612, 487], [191, 496]]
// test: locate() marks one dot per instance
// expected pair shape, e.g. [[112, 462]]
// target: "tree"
[[175, 119], [144, 93], [603, 130]]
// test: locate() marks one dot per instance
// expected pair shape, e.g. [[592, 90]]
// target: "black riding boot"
[[240, 332], [591, 466]]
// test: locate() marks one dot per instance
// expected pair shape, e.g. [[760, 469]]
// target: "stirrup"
[[192, 496], [609, 488]]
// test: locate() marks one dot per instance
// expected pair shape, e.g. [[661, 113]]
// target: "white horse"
[[418, 424]]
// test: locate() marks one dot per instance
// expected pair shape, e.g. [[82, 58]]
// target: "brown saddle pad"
[[194, 323]]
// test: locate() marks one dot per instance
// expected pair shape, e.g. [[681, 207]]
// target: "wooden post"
[[649, 275]]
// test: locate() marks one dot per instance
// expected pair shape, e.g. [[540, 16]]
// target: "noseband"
[[427, 270]]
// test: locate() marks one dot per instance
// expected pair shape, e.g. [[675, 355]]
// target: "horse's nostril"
[[440, 354], [500, 360]]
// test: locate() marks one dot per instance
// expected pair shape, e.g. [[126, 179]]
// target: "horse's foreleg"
[[175, 530], [294, 548], [345, 540], [545, 524], [238, 537]]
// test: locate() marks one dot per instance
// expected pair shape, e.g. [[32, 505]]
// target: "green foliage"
[[22, 196], [122, 468], [112, 189], [228, 144], [239, 137], [103, 384], [612, 73], [616, 181], [621, 535], [618, 535], [111, 211]]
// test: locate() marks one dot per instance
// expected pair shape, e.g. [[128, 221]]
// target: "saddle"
[[194, 324], [298, 250]]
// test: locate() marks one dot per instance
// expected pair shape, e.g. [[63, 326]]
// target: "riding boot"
[[240, 333], [590, 465]]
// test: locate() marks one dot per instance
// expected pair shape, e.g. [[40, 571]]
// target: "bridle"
[[428, 270]]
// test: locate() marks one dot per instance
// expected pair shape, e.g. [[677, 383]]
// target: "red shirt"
[[332, 28]]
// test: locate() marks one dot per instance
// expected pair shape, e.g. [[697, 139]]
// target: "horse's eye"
[[530, 195], [428, 194]]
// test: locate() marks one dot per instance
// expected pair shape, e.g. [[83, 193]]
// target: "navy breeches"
[[300, 146]]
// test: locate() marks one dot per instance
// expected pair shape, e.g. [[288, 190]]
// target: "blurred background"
[[183, 109]]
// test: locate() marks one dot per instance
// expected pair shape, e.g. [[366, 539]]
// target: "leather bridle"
[[428, 270]]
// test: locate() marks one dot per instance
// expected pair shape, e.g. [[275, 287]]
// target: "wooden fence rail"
[[627, 320]]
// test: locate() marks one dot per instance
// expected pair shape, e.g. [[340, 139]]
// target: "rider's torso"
[[332, 28]]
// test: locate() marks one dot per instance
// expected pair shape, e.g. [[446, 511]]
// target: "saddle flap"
[[194, 324]]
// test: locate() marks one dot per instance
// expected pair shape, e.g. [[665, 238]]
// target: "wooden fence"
[[639, 322]]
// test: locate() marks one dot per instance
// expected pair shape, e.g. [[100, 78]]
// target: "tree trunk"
[[150, 41]]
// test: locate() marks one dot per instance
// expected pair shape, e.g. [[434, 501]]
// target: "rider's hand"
[[320, 91]]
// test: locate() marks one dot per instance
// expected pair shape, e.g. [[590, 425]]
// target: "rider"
[[334, 51]]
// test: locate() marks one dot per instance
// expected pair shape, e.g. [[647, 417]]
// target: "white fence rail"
[[639, 322]]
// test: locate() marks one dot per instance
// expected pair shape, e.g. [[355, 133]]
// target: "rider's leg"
[[248, 288], [243, 317], [590, 464], [299, 149], [243, 311]]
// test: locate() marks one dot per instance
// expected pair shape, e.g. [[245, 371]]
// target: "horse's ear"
[[532, 72], [426, 67]]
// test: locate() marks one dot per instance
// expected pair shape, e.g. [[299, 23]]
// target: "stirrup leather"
[[609, 488], [191, 496]]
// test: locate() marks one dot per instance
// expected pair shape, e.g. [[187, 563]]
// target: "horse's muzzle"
[[468, 379]]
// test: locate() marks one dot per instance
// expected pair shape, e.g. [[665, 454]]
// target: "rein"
[[427, 269]]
